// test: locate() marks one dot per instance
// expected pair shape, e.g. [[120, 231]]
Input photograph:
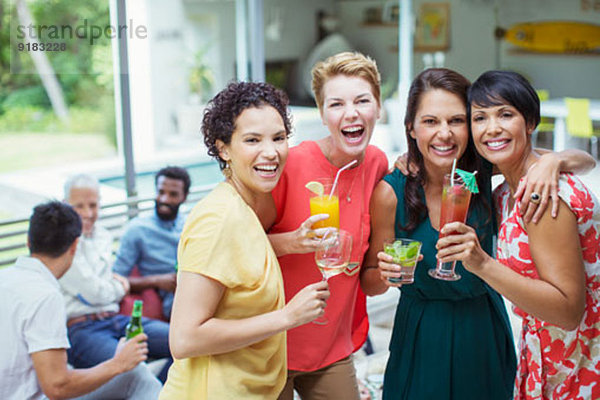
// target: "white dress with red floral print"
[[555, 363]]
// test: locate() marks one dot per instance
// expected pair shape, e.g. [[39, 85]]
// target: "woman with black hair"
[[451, 340], [550, 270]]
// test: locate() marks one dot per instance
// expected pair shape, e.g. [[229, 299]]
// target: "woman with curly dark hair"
[[229, 313]]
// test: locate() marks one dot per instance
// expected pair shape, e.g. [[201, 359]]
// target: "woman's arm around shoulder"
[[542, 178], [571, 160]]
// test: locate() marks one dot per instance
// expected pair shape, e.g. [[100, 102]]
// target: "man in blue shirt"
[[150, 242]]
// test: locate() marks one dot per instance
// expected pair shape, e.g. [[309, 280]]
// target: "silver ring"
[[535, 198]]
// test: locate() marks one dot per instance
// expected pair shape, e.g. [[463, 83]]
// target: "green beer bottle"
[[134, 327]]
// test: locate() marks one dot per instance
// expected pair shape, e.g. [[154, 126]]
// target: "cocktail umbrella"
[[469, 180]]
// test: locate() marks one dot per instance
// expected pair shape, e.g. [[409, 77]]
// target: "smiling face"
[[350, 111], [257, 151], [500, 133], [170, 194], [85, 202], [440, 130]]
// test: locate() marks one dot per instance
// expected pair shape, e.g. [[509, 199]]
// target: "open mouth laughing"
[[267, 170], [354, 133]]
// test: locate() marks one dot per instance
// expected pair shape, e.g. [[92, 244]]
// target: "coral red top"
[[312, 346]]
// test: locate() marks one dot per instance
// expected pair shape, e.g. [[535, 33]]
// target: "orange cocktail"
[[324, 201], [326, 204]]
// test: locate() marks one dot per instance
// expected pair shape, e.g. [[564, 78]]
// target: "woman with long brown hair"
[[451, 340]]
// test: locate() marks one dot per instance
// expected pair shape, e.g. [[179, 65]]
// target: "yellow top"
[[224, 240]]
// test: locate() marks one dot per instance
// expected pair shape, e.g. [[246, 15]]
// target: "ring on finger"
[[535, 198]]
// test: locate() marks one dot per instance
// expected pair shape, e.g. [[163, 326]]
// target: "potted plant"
[[200, 78]]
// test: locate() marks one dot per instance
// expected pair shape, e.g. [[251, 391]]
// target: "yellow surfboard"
[[554, 36]]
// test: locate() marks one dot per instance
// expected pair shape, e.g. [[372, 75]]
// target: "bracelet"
[[366, 267]]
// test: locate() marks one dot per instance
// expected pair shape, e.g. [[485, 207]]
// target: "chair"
[[152, 302], [546, 123], [579, 123]]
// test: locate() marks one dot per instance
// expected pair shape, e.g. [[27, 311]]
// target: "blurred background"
[[116, 88]]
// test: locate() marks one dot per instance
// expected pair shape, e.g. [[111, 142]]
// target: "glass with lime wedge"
[[405, 253]]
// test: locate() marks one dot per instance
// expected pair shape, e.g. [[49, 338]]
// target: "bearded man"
[[150, 242]]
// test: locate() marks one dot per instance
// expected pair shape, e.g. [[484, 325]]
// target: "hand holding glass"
[[455, 205], [405, 253], [332, 257]]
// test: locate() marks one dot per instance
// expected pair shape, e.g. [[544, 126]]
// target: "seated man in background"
[[92, 292], [150, 242], [33, 360]]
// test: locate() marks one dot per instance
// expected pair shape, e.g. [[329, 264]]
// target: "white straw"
[[351, 163], [452, 173]]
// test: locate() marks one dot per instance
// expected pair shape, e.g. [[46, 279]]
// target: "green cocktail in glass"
[[405, 253]]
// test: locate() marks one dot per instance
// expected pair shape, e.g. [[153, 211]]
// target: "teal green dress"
[[451, 340]]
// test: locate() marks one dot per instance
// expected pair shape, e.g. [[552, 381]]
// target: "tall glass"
[[326, 204], [455, 205], [332, 257]]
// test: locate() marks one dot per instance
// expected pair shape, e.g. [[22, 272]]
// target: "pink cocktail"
[[455, 205]]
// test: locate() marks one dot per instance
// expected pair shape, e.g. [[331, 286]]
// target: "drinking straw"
[[452, 173], [351, 163]]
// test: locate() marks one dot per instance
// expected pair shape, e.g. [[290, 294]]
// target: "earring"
[[227, 170]]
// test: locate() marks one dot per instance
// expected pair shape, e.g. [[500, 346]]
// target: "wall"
[[473, 47], [157, 74], [299, 27], [377, 41], [178, 28], [290, 34], [142, 127], [291, 23], [168, 72], [211, 24], [562, 75]]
